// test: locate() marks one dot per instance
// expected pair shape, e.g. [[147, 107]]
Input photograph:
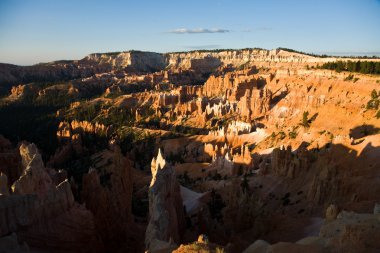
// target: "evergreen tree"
[[305, 121]]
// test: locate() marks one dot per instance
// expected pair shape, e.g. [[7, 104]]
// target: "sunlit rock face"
[[133, 60]]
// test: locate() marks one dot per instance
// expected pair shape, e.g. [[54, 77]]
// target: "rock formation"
[[35, 178], [349, 232], [107, 193], [288, 164], [201, 245], [10, 161], [255, 103], [132, 60], [4, 188], [10, 244], [241, 183], [166, 211], [331, 212], [43, 214]]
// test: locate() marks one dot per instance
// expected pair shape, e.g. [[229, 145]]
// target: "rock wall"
[[239, 57]]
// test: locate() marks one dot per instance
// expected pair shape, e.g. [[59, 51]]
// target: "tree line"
[[364, 67]]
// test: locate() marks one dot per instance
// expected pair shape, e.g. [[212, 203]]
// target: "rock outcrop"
[[10, 161], [255, 103], [288, 164], [349, 232], [107, 193], [201, 245], [35, 178], [43, 214], [4, 188], [185, 60], [133, 60], [166, 211], [10, 244]]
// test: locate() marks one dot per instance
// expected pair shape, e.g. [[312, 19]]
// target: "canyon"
[[249, 150]]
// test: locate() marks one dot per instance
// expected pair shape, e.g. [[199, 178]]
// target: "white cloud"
[[198, 30]]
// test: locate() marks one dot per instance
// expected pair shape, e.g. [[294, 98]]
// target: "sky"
[[34, 31]]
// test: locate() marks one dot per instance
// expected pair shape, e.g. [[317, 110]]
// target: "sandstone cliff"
[[137, 61], [132, 60]]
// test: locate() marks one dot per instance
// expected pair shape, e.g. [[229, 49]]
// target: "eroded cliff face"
[[133, 60], [236, 58], [137, 61]]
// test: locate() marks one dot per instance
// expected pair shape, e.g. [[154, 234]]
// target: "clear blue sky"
[[33, 31]]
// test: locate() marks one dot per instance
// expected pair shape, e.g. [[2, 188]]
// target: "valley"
[[248, 150]]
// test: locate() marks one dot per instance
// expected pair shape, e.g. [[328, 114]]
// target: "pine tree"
[[305, 121]]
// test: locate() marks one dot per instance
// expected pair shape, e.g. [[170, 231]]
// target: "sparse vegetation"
[[374, 103], [349, 77], [293, 133], [282, 135], [305, 121]]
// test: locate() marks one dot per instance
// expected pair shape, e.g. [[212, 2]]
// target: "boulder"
[[331, 212]]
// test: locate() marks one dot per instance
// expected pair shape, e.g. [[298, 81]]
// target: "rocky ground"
[[223, 151]]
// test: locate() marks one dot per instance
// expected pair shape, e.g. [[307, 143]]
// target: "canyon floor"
[[247, 150]]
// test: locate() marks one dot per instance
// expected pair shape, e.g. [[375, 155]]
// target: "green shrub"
[[282, 135], [293, 134], [305, 121], [375, 101], [349, 77], [374, 94]]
